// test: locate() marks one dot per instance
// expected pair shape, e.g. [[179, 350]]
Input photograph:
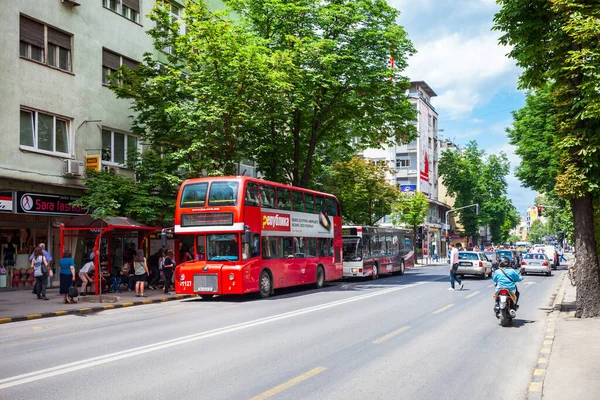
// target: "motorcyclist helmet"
[[504, 262]]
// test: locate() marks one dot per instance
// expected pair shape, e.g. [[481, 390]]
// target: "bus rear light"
[[231, 276]]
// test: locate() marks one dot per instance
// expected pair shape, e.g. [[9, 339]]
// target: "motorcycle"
[[504, 308]]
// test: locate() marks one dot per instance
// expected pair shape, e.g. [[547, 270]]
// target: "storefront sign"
[[34, 203], [6, 201]]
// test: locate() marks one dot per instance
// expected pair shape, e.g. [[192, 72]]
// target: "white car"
[[474, 263], [550, 252], [537, 263]]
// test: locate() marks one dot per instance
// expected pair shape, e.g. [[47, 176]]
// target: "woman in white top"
[[40, 272]]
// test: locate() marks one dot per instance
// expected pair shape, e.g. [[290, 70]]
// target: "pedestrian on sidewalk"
[[435, 253], [85, 275], [67, 275], [141, 273], [40, 272], [454, 267], [46, 255], [168, 268]]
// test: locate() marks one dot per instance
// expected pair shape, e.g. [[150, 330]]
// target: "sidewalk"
[[21, 305], [573, 365]]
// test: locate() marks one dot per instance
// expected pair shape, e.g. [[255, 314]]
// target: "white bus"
[[370, 251]]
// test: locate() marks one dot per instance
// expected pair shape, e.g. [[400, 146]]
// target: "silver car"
[[474, 263], [536, 263]]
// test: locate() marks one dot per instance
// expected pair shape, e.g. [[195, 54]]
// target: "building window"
[[403, 163], [117, 145], [175, 15], [111, 62], [45, 132], [129, 9], [38, 40]]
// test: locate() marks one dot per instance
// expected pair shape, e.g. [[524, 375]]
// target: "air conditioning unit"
[[111, 169], [72, 2], [74, 168]]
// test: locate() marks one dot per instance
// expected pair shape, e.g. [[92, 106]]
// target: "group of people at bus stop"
[[135, 273]]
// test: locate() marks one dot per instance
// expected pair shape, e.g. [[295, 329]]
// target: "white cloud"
[[477, 121], [462, 70]]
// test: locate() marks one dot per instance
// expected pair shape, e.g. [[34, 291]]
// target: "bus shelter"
[[106, 238]]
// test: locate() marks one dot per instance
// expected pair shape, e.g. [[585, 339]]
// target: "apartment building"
[[416, 164], [57, 109]]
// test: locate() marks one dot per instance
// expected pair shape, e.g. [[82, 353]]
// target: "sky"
[[459, 57]]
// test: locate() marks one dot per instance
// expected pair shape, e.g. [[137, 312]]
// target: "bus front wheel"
[[265, 283], [320, 277]]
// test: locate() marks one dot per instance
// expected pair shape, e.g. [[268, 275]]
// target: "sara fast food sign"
[[296, 224]]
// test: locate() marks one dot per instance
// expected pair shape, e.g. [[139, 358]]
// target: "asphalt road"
[[404, 337]]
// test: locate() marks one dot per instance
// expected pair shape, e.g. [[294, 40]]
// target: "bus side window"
[[366, 240], [267, 194], [309, 200], [299, 249], [331, 207], [322, 242], [283, 199], [311, 247], [255, 245], [269, 247], [287, 247], [297, 201], [321, 204], [251, 198]]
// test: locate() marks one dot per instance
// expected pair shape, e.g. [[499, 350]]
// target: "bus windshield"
[[223, 193], [222, 247], [352, 249]]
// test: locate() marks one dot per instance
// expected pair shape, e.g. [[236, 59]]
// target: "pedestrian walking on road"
[[168, 268], [40, 272], [454, 267], [141, 273], [67, 275]]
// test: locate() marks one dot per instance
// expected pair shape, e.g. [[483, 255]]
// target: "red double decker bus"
[[252, 235]]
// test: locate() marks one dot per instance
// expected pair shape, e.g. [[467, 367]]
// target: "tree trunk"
[[588, 270]]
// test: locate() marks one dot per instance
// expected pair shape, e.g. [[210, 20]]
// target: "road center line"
[[289, 384], [390, 335], [120, 355], [471, 295], [441, 310]]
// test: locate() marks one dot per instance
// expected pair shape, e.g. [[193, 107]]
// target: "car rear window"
[[505, 254], [468, 256], [535, 256]]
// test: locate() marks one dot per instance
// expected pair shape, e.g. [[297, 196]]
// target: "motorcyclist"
[[506, 278]]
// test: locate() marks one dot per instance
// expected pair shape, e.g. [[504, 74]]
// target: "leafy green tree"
[[362, 190], [556, 41], [471, 177], [513, 239], [109, 194], [410, 209], [340, 82], [537, 231]]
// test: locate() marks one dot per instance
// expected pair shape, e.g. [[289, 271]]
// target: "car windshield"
[[468, 256], [222, 247], [352, 249]]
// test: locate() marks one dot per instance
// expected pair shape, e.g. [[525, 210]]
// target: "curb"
[[536, 386], [90, 310]]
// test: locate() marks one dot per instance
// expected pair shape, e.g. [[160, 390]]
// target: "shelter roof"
[[87, 221]]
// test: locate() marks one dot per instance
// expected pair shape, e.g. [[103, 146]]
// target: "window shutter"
[[32, 32], [134, 4], [59, 38], [130, 63], [110, 59]]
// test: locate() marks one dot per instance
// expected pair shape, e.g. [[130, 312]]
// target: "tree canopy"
[[362, 190], [410, 209], [472, 177]]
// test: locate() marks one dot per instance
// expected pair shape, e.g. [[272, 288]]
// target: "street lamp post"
[[476, 205]]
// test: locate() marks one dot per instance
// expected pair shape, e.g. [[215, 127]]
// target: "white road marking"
[[471, 295], [491, 286], [529, 283], [120, 355], [441, 310]]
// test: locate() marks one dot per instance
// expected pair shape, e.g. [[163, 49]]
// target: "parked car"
[[493, 257], [473, 263], [513, 257], [536, 263]]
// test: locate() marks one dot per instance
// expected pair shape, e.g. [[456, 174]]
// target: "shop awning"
[[112, 223]]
